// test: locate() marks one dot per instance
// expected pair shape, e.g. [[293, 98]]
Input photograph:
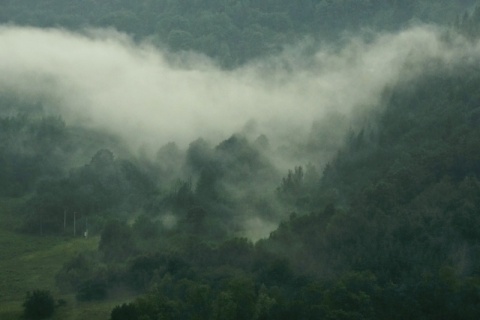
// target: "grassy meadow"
[[30, 262]]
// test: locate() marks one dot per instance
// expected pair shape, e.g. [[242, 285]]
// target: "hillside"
[[322, 162], [392, 232], [407, 185]]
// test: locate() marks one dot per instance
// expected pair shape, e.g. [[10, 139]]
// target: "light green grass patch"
[[29, 262]]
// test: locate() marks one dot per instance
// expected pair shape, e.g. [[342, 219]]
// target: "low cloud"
[[148, 97], [102, 79]]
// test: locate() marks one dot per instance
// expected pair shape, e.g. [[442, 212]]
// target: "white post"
[[86, 228]]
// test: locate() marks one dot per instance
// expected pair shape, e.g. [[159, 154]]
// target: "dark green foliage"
[[36, 146], [195, 220], [292, 185], [31, 148], [142, 270], [76, 271], [352, 297], [61, 303], [38, 304], [145, 229], [276, 272], [40, 157], [117, 241], [237, 252], [225, 182], [93, 289], [399, 207], [98, 188], [124, 312]]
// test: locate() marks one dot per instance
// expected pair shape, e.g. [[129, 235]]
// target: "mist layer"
[[148, 97]]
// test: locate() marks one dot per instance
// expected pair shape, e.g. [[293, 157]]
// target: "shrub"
[[93, 289], [38, 304]]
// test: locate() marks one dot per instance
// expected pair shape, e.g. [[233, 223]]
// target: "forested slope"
[[388, 229], [392, 232], [404, 185]]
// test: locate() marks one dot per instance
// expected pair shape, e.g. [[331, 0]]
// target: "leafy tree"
[[77, 271], [264, 304], [38, 304], [224, 307], [292, 185], [117, 241], [142, 270], [195, 220], [124, 312], [92, 289], [180, 40]]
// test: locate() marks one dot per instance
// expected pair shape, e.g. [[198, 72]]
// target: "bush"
[[38, 304], [93, 289]]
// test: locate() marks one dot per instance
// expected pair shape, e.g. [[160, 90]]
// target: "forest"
[[237, 159]]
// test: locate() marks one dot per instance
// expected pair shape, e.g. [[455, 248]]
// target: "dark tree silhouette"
[[38, 304]]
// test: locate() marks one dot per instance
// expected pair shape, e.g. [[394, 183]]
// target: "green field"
[[30, 262]]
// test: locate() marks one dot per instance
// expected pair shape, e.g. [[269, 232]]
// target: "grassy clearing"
[[31, 262]]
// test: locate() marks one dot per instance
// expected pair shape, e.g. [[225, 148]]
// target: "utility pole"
[[64, 220], [74, 224]]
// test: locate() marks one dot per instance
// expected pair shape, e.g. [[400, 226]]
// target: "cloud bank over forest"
[[102, 79]]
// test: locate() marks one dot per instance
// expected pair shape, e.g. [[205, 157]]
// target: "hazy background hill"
[[233, 31]]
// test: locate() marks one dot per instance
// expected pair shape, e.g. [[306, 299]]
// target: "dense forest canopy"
[[242, 159]]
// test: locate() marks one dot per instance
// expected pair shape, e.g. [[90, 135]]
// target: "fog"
[[304, 102], [102, 79]]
